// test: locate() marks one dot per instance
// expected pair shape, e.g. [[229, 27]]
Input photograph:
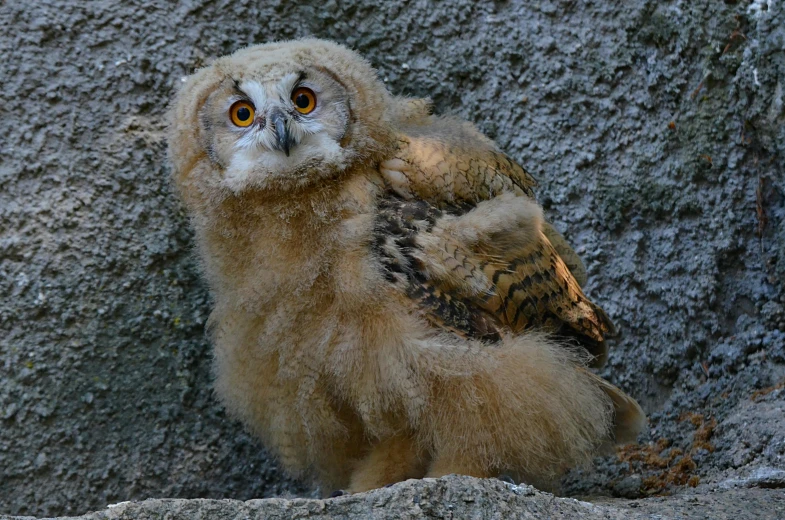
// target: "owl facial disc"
[[282, 130], [281, 117]]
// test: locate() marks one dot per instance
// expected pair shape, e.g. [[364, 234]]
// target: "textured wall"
[[656, 130]]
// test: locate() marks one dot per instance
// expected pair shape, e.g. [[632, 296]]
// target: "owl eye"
[[242, 113], [304, 100]]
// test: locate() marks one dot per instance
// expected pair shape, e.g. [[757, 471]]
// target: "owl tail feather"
[[629, 419]]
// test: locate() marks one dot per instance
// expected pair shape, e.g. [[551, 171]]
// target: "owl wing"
[[447, 161], [480, 271], [461, 234]]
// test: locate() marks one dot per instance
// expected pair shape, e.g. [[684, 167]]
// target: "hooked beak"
[[283, 141]]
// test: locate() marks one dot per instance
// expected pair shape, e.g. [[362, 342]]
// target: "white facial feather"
[[257, 157], [256, 92], [251, 166]]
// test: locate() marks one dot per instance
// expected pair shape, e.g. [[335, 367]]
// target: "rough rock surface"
[[457, 497], [656, 130]]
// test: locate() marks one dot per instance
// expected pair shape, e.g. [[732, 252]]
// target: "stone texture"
[[656, 130], [456, 497]]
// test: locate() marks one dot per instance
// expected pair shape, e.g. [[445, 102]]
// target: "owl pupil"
[[243, 114], [302, 101]]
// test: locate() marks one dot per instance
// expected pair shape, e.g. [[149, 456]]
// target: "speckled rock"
[[458, 497], [656, 130]]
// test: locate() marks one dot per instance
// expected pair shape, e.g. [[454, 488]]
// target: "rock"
[[763, 477], [456, 497]]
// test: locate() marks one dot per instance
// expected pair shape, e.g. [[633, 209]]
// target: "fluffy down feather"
[[333, 341]]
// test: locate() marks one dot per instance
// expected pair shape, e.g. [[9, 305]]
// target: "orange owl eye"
[[242, 113], [304, 100]]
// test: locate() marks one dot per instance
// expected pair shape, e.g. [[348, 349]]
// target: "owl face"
[[282, 128], [284, 116]]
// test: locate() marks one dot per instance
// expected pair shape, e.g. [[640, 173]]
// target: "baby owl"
[[389, 302]]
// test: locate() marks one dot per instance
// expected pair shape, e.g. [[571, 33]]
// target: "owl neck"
[[262, 245]]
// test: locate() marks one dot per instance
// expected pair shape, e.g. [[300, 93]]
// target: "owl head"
[[278, 117]]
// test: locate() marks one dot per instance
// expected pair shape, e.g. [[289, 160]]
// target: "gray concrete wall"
[[656, 130]]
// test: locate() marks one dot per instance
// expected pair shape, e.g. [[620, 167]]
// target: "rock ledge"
[[457, 497]]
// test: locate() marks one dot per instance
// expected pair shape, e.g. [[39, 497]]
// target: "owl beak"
[[283, 140]]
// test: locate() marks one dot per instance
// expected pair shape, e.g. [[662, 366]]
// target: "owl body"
[[366, 324]]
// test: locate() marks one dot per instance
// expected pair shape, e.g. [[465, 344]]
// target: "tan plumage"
[[448, 162], [367, 326]]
